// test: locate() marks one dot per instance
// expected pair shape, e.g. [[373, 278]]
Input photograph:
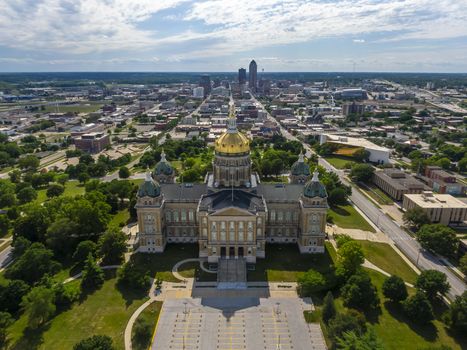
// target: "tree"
[[112, 246], [83, 250], [190, 175], [32, 223], [337, 196], [350, 340], [361, 155], [349, 258], [311, 282], [359, 292], [55, 190], [65, 294], [5, 321], [60, 236], [4, 224], [463, 264], [432, 282], [456, 316], [329, 308], [33, 264], [39, 306], [29, 162], [11, 295], [394, 289], [83, 177], [418, 308], [93, 275], [124, 172], [20, 244], [438, 238], [134, 276], [62, 179], [26, 195], [362, 172], [96, 342], [351, 321], [342, 239], [415, 217]]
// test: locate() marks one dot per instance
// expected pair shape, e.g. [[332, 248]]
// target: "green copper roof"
[[314, 188], [163, 167], [149, 188], [300, 167]]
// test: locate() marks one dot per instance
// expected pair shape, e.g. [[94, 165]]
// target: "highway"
[[406, 244]]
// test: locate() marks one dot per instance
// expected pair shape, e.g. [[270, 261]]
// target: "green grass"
[[339, 162], [72, 188], [120, 218], [151, 315], [192, 270], [160, 265], [378, 195], [81, 108], [106, 312], [346, 216], [284, 263], [386, 258]]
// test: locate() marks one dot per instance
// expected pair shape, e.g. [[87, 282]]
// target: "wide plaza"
[[230, 320]]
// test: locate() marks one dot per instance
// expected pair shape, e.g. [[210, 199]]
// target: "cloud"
[[358, 41]]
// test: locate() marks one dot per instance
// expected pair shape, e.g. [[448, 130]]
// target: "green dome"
[[300, 167], [314, 188], [149, 188], [163, 167]]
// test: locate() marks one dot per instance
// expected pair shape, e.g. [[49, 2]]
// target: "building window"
[[250, 236], [191, 215], [280, 216], [213, 236], [175, 214], [259, 221], [205, 232], [168, 216], [288, 216], [273, 215], [183, 215], [258, 232]]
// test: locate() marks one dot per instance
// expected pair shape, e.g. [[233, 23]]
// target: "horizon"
[[407, 36]]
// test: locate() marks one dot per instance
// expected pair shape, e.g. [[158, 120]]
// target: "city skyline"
[[221, 36]]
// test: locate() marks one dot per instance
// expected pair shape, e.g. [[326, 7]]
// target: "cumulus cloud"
[[358, 41]]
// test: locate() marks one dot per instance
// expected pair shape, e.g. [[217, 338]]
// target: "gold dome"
[[232, 143]]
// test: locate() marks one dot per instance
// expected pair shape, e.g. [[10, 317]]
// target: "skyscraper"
[[252, 76], [205, 82], [242, 76]]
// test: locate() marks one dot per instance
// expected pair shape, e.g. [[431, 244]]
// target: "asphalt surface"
[[5, 257]]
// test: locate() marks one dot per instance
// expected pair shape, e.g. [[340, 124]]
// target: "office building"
[[94, 142], [252, 76], [198, 92], [242, 76], [396, 183], [353, 108], [205, 82], [440, 208]]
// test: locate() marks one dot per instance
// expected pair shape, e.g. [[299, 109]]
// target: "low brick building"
[[93, 142], [396, 183]]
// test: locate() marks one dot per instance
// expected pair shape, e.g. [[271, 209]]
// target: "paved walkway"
[[78, 275]]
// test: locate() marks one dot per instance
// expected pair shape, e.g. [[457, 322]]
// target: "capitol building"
[[232, 214]]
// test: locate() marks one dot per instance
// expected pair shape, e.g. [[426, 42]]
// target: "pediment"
[[231, 211]]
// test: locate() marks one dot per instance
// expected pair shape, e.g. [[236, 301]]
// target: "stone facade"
[[232, 215]]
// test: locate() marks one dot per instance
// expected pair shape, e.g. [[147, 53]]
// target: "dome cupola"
[[149, 188], [314, 188], [163, 167]]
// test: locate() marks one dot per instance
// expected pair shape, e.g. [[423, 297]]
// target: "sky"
[[222, 36]]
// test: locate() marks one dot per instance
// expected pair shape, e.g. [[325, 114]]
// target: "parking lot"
[[223, 323]]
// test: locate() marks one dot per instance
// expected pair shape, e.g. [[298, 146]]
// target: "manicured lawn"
[[119, 218], [81, 108], [339, 162], [378, 195], [192, 270], [160, 265], [72, 188], [383, 256], [106, 312], [284, 263], [392, 327], [150, 314], [346, 216], [397, 332]]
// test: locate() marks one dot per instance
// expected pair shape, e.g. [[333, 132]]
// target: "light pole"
[[185, 311]]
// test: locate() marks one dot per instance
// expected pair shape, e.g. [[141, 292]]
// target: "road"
[[408, 245], [5, 257]]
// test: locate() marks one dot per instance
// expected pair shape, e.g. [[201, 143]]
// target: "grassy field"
[[72, 188], [160, 265], [339, 162], [284, 263], [80, 108], [150, 314], [120, 218], [346, 216], [192, 270], [375, 193], [106, 312], [383, 256], [390, 324]]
